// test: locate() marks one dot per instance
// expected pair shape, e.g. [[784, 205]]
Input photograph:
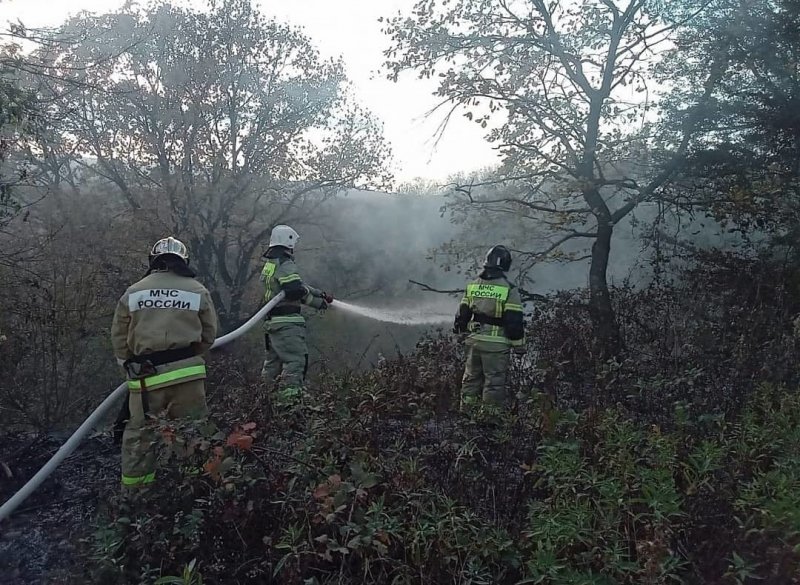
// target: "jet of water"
[[399, 316]]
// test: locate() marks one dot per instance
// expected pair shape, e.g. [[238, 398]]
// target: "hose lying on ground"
[[97, 416]]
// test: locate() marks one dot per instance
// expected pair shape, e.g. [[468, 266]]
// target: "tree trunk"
[[235, 308], [226, 320], [604, 322]]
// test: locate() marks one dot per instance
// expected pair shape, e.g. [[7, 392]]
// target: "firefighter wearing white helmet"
[[283, 236], [162, 327], [286, 362], [491, 314]]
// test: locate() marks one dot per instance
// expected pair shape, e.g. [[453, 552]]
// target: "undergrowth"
[[598, 499], [677, 463]]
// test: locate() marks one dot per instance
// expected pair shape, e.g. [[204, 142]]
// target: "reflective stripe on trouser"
[[139, 449], [287, 355], [485, 375], [174, 375]]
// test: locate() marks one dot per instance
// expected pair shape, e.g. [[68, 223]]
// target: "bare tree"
[[562, 89], [61, 275], [214, 126]]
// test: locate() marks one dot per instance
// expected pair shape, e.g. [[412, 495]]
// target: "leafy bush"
[[705, 341], [394, 499]]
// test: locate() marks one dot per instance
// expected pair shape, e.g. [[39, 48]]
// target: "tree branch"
[[467, 190], [524, 294], [689, 128], [429, 288]]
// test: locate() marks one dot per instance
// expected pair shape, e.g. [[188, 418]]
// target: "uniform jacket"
[[493, 299], [160, 312], [280, 274]]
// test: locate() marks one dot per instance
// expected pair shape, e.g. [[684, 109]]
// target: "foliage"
[[702, 343], [17, 110], [742, 169], [375, 478]]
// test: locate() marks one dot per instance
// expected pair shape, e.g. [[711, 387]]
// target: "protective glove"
[[328, 297], [123, 416]]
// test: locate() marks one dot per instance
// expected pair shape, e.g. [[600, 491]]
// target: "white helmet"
[[283, 235], [169, 245]]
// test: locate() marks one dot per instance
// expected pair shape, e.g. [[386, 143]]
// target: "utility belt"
[[142, 366], [487, 320], [283, 310]]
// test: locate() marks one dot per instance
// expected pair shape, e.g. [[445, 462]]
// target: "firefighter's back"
[[165, 310]]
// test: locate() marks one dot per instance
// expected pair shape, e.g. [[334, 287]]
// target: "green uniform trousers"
[[287, 356], [485, 375], [184, 400]]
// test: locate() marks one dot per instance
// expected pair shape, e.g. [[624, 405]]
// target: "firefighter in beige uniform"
[[162, 326]]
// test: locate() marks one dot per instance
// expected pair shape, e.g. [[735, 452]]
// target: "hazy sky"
[[348, 28]]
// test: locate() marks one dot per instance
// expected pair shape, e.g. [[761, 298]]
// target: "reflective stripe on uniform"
[[268, 270], [488, 291], [266, 276], [167, 377], [289, 278], [138, 479], [287, 319], [513, 307], [494, 338]]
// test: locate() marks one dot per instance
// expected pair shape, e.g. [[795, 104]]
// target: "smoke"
[[373, 243]]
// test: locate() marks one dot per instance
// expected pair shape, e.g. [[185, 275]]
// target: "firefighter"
[[286, 363], [163, 325], [491, 314]]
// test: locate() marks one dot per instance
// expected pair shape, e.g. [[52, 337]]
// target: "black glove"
[[122, 418], [463, 317], [328, 297]]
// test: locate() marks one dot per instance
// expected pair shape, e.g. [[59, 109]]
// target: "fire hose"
[[101, 411]]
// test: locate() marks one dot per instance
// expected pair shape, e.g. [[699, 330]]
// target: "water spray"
[[398, 316]]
